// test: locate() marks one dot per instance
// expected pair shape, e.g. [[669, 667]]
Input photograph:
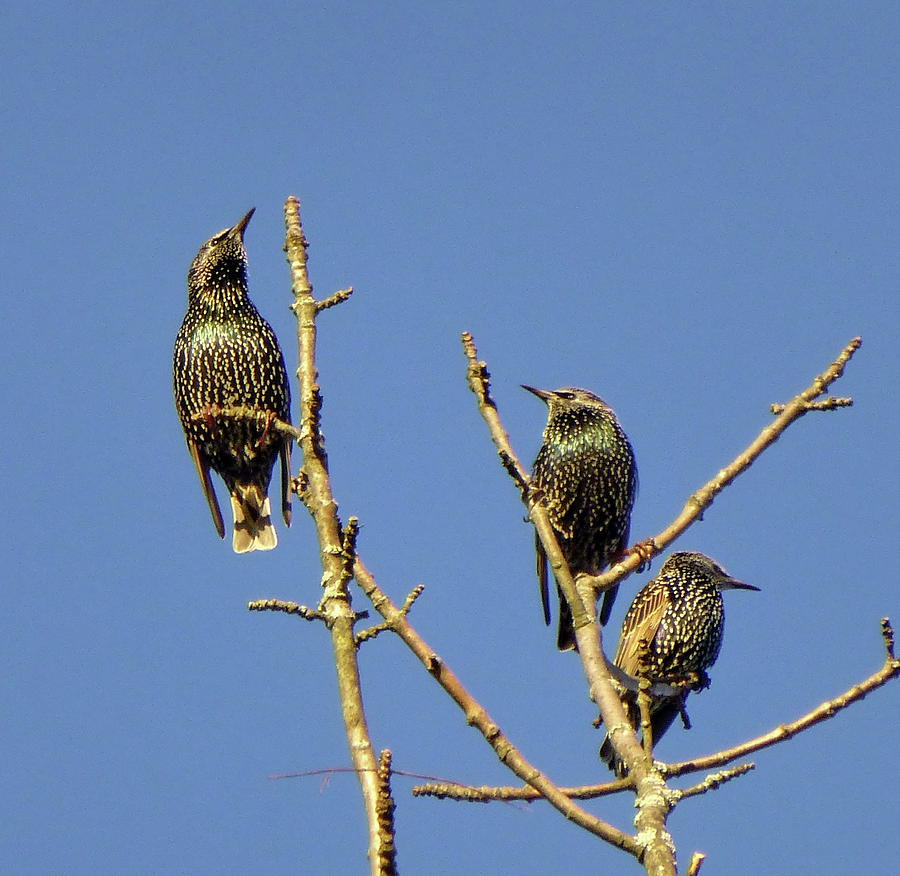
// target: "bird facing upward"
[[587, 477], [680, 614], [227, 357]]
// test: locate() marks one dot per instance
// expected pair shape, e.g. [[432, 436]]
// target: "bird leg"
[[644, 699], [208, 414], [271, 417], [646, 550]]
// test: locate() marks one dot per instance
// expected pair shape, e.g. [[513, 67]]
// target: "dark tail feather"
[[208, 491], [608, 754], [609, 598], [565, 634], [542, 573], [285, 455]]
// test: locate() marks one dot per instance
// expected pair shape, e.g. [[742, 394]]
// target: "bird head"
[[702, 565], [567, 397], [222, 260]]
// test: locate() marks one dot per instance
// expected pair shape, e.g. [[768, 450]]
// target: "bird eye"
[[568, 395]]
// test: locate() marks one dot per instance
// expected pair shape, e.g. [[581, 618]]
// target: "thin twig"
[[336, 298], [644, 697], [697, 860], [488, 793], [715, 780], [826, 404], [387, 851], [303, 611], [890, 670], [377, 629]]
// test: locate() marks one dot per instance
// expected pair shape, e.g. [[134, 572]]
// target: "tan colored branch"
[[693, 509], [264, 418], [377, 629], [336, 548], [890, 670], [489, 793], [478, 717], [387, 852], [715, 780], [697, 860], [303, 611]]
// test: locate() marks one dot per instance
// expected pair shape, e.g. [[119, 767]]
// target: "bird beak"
[[734, 584], [544, 394], [238, 230]]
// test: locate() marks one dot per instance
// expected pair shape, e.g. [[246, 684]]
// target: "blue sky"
[[688, 209]]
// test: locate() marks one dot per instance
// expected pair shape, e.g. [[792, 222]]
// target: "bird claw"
[[209, 414], [646, 550], [270, 418]]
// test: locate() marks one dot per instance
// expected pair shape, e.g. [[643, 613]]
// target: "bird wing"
[[206, 482], [641, 623], [542, 578]]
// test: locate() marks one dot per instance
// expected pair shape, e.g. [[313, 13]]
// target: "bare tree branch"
[[387, 852], [478, 717], [336, 547], [693, 509], [697, 860], [303, 611], [890, 670], [715, 780], [526, 794]]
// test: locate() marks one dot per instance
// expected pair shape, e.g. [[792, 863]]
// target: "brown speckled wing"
[[641, 622]]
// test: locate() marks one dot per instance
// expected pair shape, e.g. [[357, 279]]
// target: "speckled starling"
[[227, 357], [681, 616], [588, 480]]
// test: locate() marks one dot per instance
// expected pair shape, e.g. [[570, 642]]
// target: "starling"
[[227, 356], [681, 617], [587, 475]]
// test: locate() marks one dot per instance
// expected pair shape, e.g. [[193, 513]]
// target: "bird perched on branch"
[[678, 619], [230, 388], [587, 479]]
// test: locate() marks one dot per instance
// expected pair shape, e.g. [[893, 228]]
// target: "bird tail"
[[565, 632], [253, 527], [663, 712], [611, 759], [608, 754]]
